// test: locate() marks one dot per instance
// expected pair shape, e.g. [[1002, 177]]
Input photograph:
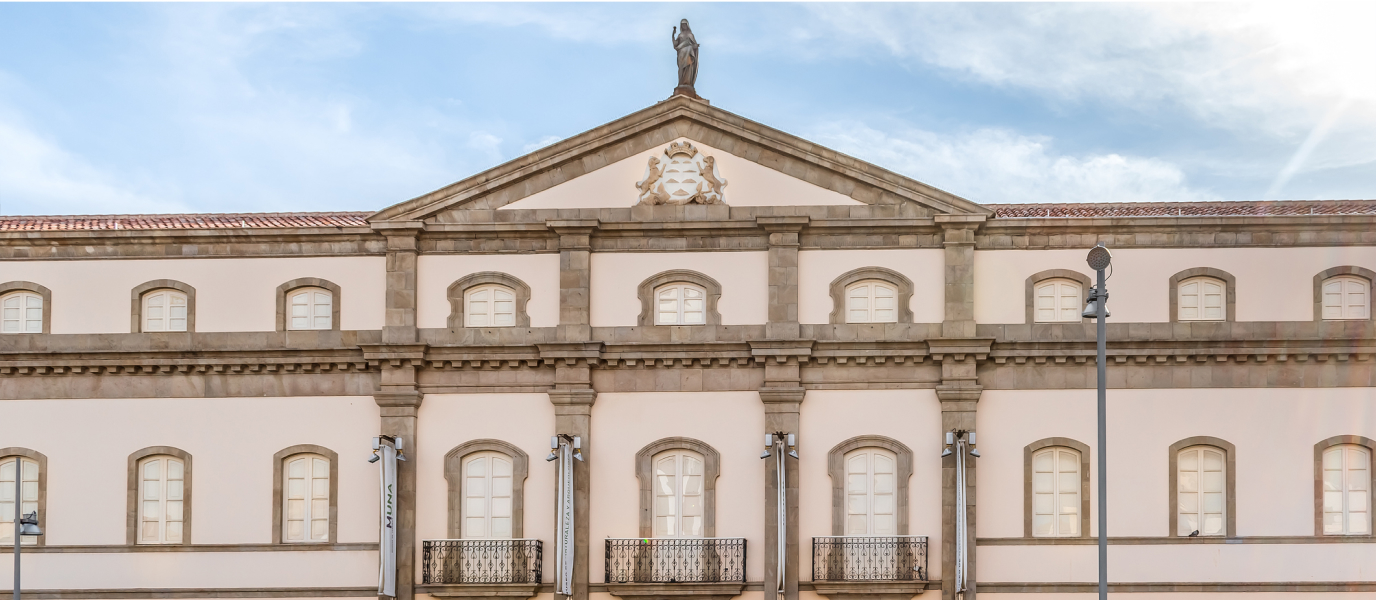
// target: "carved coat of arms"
[[681, 175]]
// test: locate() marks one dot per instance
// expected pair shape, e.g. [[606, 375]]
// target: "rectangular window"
[[161, 497]]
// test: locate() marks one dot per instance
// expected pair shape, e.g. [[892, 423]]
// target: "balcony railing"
[[869, 558], [670, 560], [481, 561]]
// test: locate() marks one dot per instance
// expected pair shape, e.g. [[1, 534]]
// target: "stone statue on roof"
[[687, 46]]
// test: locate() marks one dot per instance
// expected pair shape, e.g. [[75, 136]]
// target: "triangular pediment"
[[600, 168]]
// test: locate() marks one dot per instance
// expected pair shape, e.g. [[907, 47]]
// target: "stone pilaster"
[[399, 324], [958, 239], [575, 278], [783, 275], [573, 398], [959, 393], [782, 396], [399, 399]]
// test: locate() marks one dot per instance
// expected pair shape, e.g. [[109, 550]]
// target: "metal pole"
[[1101, 362], [18, 511]]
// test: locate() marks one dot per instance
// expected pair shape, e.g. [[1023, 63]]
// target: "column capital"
[[574, 234], [959, 230]]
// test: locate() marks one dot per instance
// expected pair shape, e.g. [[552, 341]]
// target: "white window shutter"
[[871, 492], [21, 312], [490, 306], [871, 302], [1057, 301], [1056, 486], [28, 496], [1346, 297], [487, 491], [162, 497], [1346, 490], [679, 509], [680, 304], [1201, 491]]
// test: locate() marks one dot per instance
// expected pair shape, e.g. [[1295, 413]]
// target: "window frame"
[[44, 293], [492, 312], [279, 461], [285, 290], [870, 493], [872, 285], [132, 511], [680, 457], [648, 292], [1229, 293], [136, 304], [458, 297], [1229, 483], [1030, 299], [22, 297], [903, 472], [682, 288], [42, 460], [1344, 280], [902, 285], [644, 472], [1354, 271], [1319, 448], [453, 474], [1028, 452], [138, 516]]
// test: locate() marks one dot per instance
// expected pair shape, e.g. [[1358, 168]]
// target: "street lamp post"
[[1099, 259], [23, 524]]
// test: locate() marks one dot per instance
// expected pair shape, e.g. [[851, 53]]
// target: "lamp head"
[[1099, 258], [28, 525], [375, 458]]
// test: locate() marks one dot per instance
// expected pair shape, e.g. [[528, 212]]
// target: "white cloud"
[[540, 143], [38, 177], [998, 166]]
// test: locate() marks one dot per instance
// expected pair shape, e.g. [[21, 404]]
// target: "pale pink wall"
[[623, 423], [830, 417], [232, 294], [1274, 431], [1273, 284], [438, 272], [231, 442], [1179, 562], [744, 279], [447, 420], [747, 184], [1192, 596], [818, 268], [194, 570]]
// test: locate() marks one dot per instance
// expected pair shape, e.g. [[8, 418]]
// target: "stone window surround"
[[1055, 442], [1036, 278], [279, 461], [646, 292], [644, 472], [836, 469], [136, 302], [43, 292], [459, 289], [131, 528], [1229, 292], [1229, 482], [284, 308], [1322, 276], [899, 281], [42, 460], [1339, 440], [453, 473]]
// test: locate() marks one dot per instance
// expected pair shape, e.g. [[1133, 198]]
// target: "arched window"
[[487, 490], [1347, 490], [490, 305], [871, 503], [1058, 301], [1201, 502], [1201, 299], [871, 301], [680, 304], [306, 499], [164, 310], [1056, 487], [311, 308], [161, 499], [29, 495], [678, 494], [22, 312], [1346, 297]]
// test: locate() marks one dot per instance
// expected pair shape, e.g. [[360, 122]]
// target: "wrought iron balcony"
[[675, 560], [481, 561], [869, 558]]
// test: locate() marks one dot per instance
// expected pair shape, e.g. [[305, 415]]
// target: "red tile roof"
[[195, 221], [1267, 208]]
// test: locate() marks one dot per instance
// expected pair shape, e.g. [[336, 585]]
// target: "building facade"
[[672, 289]]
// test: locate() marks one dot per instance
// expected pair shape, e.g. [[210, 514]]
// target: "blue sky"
[[127, 108]]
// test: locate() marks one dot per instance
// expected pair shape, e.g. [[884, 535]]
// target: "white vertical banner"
[[387, 555], [563, 557], [962, 552]]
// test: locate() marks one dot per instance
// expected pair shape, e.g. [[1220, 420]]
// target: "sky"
[[156, 108]]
